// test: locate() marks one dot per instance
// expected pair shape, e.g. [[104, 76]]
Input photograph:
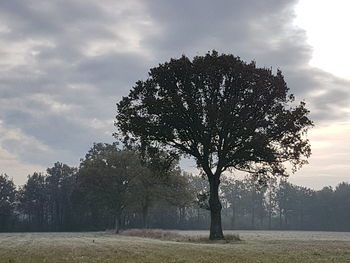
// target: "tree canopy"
[[107, 174], [226, 113]]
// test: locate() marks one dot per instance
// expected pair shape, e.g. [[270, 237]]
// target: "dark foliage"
[[174, 205], [224, 112], [7, 203]]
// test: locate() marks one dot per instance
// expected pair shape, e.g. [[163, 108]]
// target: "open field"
[[257, 246]]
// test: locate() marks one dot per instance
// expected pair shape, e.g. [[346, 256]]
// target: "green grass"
[[260, 246]]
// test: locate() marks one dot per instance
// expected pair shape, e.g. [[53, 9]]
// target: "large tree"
[[224, 112]]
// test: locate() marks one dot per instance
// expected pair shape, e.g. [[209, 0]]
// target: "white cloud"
[[16, 135], [13, 143], [327, 27], [51, 104], [16, 168], [22, 52]]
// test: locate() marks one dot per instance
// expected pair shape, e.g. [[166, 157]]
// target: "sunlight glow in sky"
[[326, 23]]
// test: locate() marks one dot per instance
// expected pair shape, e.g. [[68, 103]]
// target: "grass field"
[[257, 246]]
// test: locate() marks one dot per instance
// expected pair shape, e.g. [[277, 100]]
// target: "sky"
[[66, 63]]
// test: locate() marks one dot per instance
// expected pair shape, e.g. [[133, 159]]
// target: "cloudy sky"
[[65, 63]]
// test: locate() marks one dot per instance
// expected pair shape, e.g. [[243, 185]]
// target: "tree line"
[[225, 113], [117, 188]]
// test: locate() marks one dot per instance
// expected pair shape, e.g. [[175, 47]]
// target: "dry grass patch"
[[173, 236], [153, 233], [101, 247]]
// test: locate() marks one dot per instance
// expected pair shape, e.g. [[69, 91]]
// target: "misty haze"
[[174, 131]]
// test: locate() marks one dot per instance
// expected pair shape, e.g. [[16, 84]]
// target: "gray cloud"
[[255, 30], [66, 63]]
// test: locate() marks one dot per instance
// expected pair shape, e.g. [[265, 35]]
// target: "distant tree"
[[60, 183], [283, 201], [107, 175], [302, 197], [171, 189], [292, 200], [325, 209], [178, 192], [200, 189], [147, 189], [224, 112], [233, 191], [34, 200], [271, 201], [152, 187], [258, 203], [7, 202], [341, 199]]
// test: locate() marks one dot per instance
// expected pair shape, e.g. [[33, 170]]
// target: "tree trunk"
[[117, 223], [285, 219], [302, 219], [270, 209], [215, 210], [262, 220], [181, 217], [253, 210], [233, 221], [145, 216], [253, 218], [280, 218], [198, 217]]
